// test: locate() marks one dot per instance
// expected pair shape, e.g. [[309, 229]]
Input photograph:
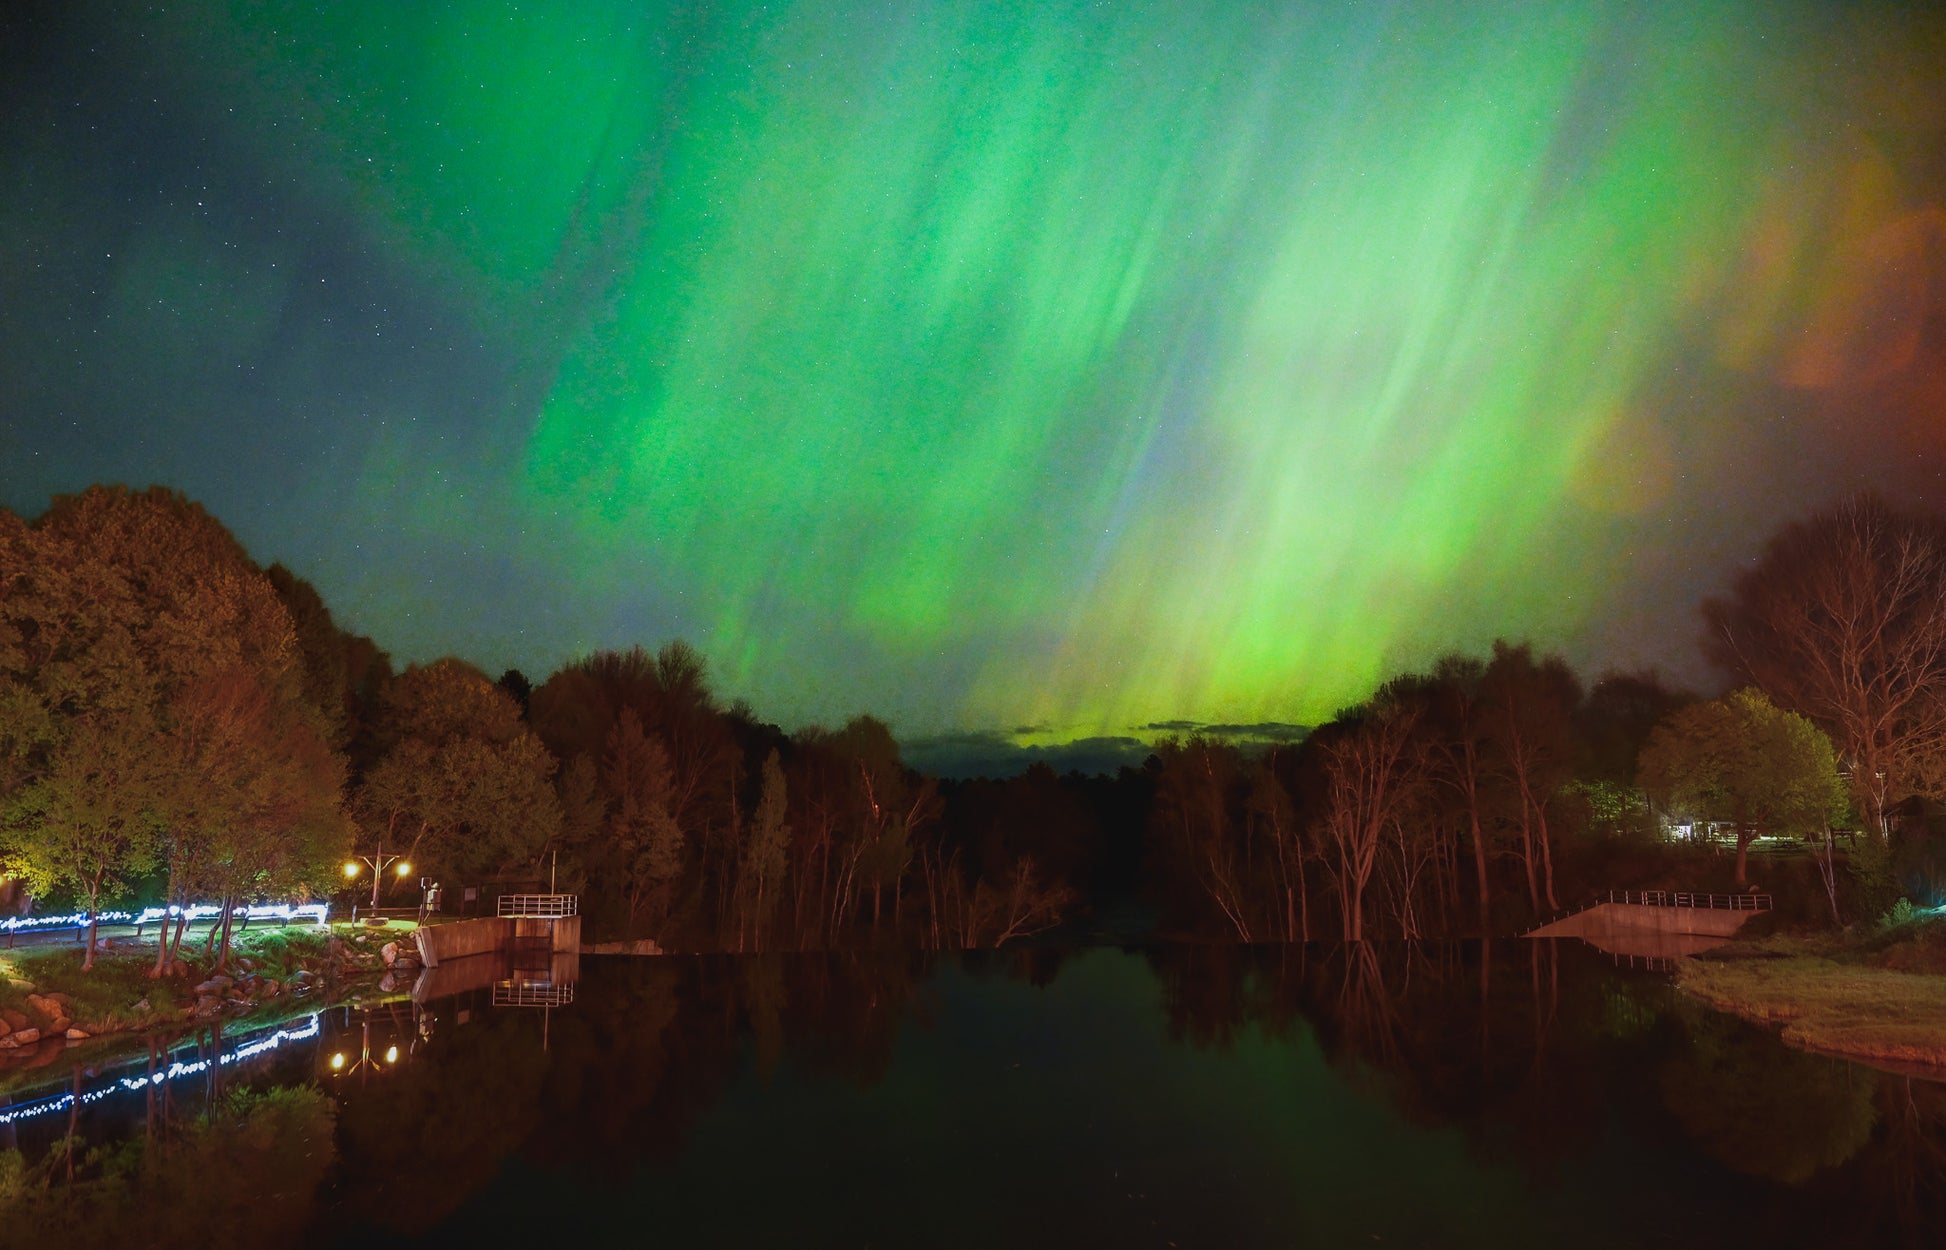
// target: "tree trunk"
[[94, 923], [1547, 858], [1480, 866], [229, 916], [161, 968]]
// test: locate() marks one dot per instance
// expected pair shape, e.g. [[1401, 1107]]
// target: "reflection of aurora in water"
[[261, 1044], [1452, 1094]]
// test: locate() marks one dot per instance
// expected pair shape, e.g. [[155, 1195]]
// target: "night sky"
[[1073, 367]]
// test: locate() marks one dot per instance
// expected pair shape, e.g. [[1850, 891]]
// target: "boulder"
[[21, 1037], [58, 1026], [207, 1005], [16, 1020], [141, 1006], [208, 988], [46, 1006], [77, 1035], [56, 996], [390, 953]]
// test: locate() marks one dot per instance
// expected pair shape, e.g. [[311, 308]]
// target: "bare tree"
[[1372, 767], [1193, 802], [1843, 620], [1529, 707]]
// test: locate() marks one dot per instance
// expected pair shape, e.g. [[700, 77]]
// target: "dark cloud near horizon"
[[992, 753]]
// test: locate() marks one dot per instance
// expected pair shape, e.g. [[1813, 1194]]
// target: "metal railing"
[[539, 905], [1663, 898], [1680, 898], [532, 994]]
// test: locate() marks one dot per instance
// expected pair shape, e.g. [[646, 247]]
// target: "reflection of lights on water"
[[391, 1054], [249, 1050], [338, 1061]]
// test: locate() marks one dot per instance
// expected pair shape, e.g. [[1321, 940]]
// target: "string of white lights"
[[249, 1050], [317, 912]]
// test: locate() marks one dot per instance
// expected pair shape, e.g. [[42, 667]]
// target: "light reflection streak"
[[175, 1071]]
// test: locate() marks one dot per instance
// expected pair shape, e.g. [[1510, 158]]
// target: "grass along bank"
[[48, 1005], [1878, 995]]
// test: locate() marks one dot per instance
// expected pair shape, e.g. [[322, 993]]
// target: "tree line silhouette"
[[179, 723]]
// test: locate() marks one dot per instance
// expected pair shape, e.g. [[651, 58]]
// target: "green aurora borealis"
[[1063, 365]]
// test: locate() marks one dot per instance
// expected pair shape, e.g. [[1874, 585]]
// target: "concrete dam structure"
[[544, 921], [1657, 924]]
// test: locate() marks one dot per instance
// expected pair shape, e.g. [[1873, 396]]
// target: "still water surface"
[[1516, 1094]]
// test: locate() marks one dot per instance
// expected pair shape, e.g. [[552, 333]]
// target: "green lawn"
[[1877, 995]]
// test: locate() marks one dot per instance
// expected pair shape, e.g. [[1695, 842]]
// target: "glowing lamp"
[[391, 1054], [351, 870], [338, 1062], [403, 868]]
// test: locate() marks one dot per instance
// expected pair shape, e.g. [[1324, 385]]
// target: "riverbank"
[[49, 1007], [1878, 996]]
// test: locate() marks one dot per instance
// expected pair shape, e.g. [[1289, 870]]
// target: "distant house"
[[1917, 817]]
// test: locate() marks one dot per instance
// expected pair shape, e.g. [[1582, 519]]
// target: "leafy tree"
[[464, 786], [576, 713], [1744, 760], [767, 854], [86, 821], [122, 616], [254, 807], [320, 651], [644, 841]]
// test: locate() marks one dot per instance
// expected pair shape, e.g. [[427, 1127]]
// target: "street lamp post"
[[377, 859]]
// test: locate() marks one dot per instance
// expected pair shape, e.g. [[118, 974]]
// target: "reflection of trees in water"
[[1542, 1065], [1535, 1064], [248, 1172], [647, 1049], [1489, 1037], [416, 1143], [1763, 1109], [1907, 1169]]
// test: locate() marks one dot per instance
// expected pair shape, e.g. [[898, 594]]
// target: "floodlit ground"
[[1878, 996], [117, 997]]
